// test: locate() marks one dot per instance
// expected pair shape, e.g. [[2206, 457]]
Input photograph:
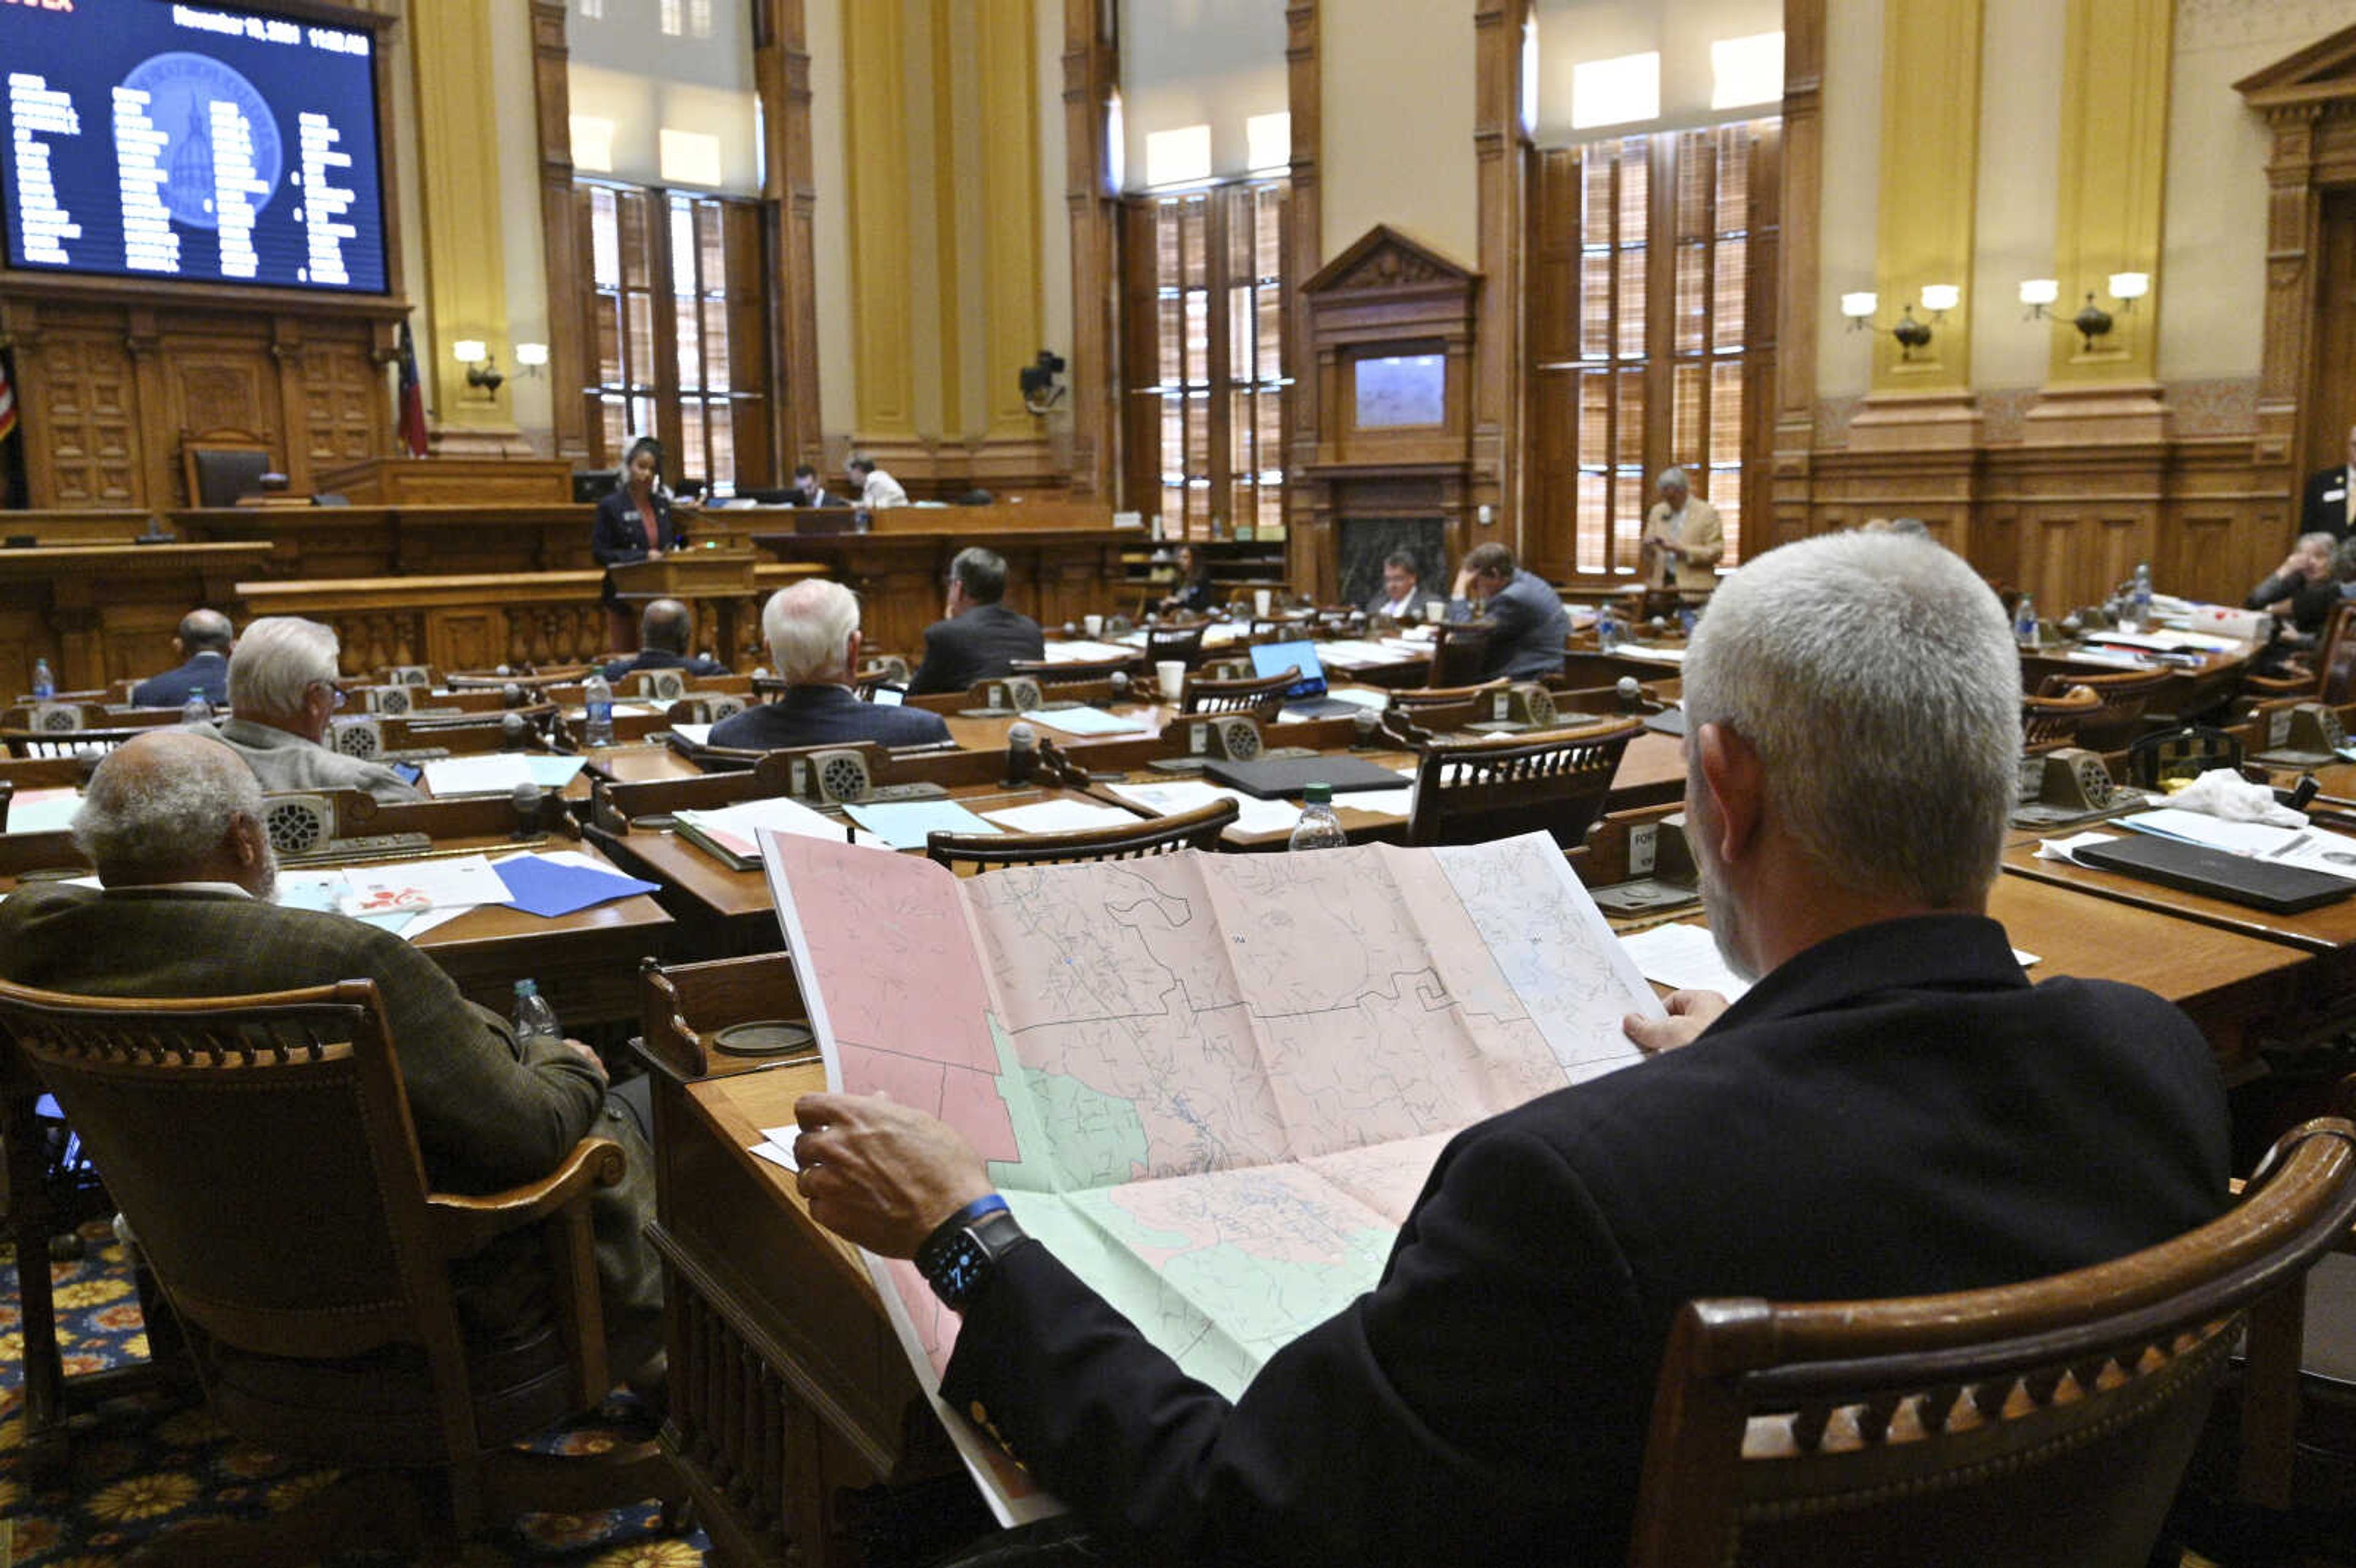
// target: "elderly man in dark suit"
[[2330, 503], [663, 631], [978, 637], [1892, 1110], [813, 634], [173, 822], [283, 698], [203, 643]]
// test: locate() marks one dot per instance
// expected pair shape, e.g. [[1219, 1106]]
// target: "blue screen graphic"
[[153, 139]]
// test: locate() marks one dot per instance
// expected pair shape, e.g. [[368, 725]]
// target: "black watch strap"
[[957, 1259]]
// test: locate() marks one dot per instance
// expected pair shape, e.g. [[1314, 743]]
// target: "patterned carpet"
[[141, 1465]]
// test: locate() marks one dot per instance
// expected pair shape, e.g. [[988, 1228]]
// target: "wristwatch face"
[[957, 1268]]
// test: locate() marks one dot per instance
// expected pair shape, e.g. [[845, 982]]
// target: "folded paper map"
[[1212, 1083]]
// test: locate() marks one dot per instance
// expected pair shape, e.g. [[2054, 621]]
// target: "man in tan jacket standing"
[[1683, 537]]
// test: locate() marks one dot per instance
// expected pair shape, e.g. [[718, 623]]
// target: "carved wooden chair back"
[[1554, 782]]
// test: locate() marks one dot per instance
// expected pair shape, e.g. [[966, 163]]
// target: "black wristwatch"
[[958, 1256]]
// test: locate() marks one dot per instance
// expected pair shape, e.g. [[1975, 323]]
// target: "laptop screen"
[[1275, 658]]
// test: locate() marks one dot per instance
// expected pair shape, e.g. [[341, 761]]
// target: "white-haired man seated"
[[813, 629], [1891, 1109], [173, 823], [281, 696]]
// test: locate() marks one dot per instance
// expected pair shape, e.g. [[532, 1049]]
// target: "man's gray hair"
[[2319, 542], [279, 658], [806, 625], [143, 822], [1878, 684], [1672, 479]]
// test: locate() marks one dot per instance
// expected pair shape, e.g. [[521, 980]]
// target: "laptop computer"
[[1307, 697], [2236, 878]]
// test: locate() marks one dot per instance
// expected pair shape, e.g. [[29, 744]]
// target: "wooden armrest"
[[464, 1224]]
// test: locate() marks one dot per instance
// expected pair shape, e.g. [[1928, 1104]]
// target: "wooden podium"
[[717, 584]]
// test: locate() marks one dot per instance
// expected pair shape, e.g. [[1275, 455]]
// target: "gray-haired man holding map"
[[1891, 1109]]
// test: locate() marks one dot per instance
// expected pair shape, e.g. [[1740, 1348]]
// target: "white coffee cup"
[[1170, 675], [1433, 610], [1261, 599], [1092, 624]]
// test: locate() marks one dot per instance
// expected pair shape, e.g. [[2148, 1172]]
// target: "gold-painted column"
[[1930, 165], [466, 267], [876, 158], [2114, 137], [1007, 80]]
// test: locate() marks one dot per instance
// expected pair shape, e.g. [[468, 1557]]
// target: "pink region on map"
[[889, 933], [967, 1101]]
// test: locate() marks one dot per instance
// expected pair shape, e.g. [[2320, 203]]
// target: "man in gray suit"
[[173, 822], [1527, 624], [281, 697]]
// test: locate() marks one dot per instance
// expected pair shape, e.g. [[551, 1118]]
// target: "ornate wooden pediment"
[[2318, 79], [1383, 258]]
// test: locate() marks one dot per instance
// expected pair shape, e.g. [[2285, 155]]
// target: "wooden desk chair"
[[2047, 722], [222, 465], [1165, 642], [2032, 1424], [1071, 672], [1460, 650], [2124, 696], [7, 794], [1258, 695], [315, 1284], [66, 744], [1469, 792], [977, 852], [1416, 698]]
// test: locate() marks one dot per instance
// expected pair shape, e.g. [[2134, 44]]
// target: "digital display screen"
[[1402, 389], [206, 143]]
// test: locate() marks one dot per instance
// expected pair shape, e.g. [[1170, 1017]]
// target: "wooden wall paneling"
[[566, 267], [1140, 345], [754, 312], [1091, 75], [341, 394], [1309, 547], [1765, 342], [1550, 479], [1799, 199], [781, 64], [1501, 172], [81, 424]]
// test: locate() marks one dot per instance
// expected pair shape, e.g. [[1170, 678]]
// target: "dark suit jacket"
[[619, 536], [2312, 603], [980, 644], [663, 658], [1895, 1111], [489, 1113], [206, 675], [2324, 508], [826, 716], [1528, 628]]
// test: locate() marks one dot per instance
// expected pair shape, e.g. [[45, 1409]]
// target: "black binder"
[[1268, 779], [2237, 878]]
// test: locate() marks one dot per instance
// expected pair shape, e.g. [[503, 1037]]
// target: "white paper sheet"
[[693, 734], [1191, 794], [1685, 957], [1060, 816], [43, 810], [410, 886], [1083, 652], [499, 774], [1087, 721]]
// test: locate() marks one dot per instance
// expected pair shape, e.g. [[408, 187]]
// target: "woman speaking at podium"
[[633, 523]]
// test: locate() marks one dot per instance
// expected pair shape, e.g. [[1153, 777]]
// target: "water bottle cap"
[[1317, 794], [527, 988]]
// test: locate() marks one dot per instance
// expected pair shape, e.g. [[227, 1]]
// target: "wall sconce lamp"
[[531, 358], [482, 371], [1938, 299], [2036, 293], [2094, 322]]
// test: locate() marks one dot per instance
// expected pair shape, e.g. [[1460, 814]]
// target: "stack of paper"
[[728, 832], [1192, 794], [499, 774], [1083, 652], [43, 810], [907, 824], [1061, 816], [1087, 721]]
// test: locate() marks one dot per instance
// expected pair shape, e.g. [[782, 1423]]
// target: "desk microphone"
[[1632, 693], [511, 694], [1365, 722], [1120, 685], [1022, 752], [514, 731], [526, 797]]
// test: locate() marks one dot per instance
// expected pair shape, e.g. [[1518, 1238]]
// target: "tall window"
[[1204, 334], [675, 330], [1647, 254]]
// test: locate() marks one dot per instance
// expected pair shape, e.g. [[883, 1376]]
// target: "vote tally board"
[[148, 139]]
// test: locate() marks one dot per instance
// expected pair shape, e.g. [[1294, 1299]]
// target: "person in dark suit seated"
[[2330, 503], [1194, 593], [1403, 594], [1528, 622], [813, 630], [809, 492], [173, 823], [2304, 589], [203, 643], [663, 634], [1893, 1109], [633, 524], [979, 638]]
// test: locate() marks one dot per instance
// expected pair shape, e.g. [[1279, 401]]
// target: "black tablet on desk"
[[1269, 779], [2237, 878]]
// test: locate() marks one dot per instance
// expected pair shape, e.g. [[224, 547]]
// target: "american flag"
[[412, 397], [7, 402]]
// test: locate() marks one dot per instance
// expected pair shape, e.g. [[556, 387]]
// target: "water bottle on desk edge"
[[45, 685], [2139, 599], [597, 712], [1318, 829], [534, 1018], [196, 710], [2024, 622], [1607, 629]]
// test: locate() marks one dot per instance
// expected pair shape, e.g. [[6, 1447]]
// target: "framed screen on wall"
[[197, 142], [1401, 390]]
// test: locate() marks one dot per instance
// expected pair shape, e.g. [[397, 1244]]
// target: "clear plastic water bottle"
[[1318, 829], [196, 710], [45, 685], [2024, 622], [597, 705], [534, 1018], [2139, 600], [1607, 629]]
